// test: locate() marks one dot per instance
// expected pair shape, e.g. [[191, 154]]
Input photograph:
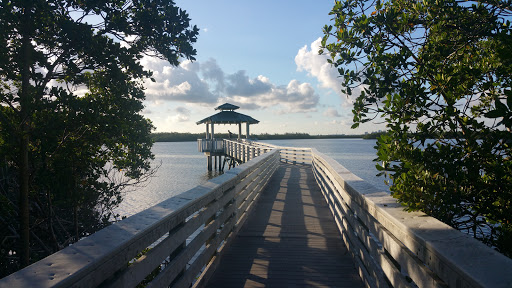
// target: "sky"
[[261, 56]]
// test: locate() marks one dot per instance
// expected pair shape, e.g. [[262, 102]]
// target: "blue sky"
[[259, 55]]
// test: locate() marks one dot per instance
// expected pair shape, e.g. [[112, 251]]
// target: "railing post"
[[178, 249], [208, 222]]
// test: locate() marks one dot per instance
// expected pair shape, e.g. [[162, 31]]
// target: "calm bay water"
[[183, 168]]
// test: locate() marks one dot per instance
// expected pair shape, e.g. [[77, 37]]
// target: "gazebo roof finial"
[[227, 107]]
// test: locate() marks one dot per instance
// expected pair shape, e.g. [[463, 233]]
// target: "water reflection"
[[209, 175]]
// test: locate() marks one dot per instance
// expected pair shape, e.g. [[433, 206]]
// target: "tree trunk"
[[24, 203], [75, 221], [24, 168]]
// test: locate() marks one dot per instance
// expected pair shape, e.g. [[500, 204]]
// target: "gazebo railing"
[[210, 145]]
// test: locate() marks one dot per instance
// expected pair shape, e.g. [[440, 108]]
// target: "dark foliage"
[[71, 134]]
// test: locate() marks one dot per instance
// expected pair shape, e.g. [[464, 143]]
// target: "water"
[[354, 154], [183, 168]]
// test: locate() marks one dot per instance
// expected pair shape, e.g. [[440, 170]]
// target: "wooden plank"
[[353, 236], [290, 239]]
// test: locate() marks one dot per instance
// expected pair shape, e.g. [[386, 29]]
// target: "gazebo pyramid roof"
[[228, 116]]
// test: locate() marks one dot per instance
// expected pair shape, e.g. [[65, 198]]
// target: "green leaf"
[[500, 106], [508, 93], [494, 114]]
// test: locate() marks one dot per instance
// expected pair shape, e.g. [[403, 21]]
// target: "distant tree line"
[[374, 135], [182, 137]]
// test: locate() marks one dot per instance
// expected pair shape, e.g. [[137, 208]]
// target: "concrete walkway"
[[289, 240]]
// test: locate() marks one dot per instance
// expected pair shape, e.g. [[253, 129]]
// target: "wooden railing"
[[392, 247], [243, 150], [188, 232], [210, 145], [296, 155], [247, 149]]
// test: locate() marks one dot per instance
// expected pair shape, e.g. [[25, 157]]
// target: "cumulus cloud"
[[300, 97], [292, 98], [180, 83], [211, 71], [316, 66], [331, 112], [182, 114], [207, 83], [239, 84]]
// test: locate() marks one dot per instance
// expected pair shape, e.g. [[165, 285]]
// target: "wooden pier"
[[285, 217]]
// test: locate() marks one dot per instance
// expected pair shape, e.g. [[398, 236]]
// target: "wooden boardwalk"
[[289, 240]]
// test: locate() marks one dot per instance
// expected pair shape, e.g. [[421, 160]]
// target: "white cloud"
[[180, 83], [182, 114], [331, 112], [343, 122], [211, 71], [300, 97], [316, 65], [239, 84], [206, 83], [293, 98]]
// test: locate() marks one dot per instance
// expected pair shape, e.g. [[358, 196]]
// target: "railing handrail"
[[217, 208], [393, 246]]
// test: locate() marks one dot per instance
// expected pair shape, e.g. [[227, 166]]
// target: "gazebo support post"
[[239, 131], [212, 139], [247, 131]]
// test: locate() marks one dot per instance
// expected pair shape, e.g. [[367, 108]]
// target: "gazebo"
[[227, 115]]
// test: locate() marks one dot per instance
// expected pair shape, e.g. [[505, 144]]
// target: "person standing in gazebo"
[[230, 134]]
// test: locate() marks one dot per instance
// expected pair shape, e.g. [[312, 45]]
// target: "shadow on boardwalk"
[[289, 240]]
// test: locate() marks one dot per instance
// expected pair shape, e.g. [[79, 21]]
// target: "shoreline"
[[185, 137]]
